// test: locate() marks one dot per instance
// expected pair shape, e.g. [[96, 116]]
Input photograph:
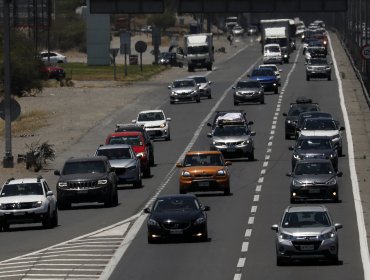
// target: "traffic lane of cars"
[[275, 197], [85, 219]]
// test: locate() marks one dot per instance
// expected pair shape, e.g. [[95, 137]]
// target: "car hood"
[[82, 177], [262, 78], [272, 54], [152, 123], [183, 89], [203, 85], [247, 89], [22, 198], [231, 138], [319, 132], [307, 231], [195, 170], [138, 149], [176, 216], [314, 178], [313, 152], [122, 163]]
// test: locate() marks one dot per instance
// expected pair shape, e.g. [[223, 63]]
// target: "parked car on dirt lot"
[[86, 179], [27, 200], [53, 57], [53, 72]]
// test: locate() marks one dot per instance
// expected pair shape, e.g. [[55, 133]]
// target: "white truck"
[[278, 35], [198, 51]]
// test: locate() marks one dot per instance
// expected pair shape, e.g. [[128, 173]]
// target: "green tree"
[[25, 65], [163, 21]]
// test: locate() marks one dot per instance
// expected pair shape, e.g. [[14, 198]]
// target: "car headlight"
[[332, 181], [296, 156], [173, 93], [163, 125], [309, 68], [221, 172], [36, 204], [62, 184], [328, 235], [327, 68], [143, 155], [216, 143], [2, 206], [297, 183], [246, 142], [185, 174], [152, 222], [286, 236], [239, 93], [288, 121], [335, 137], [199, 221], [102, 182]]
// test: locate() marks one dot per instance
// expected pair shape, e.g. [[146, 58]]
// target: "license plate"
[[314, 190], [176, 231], [18, 213], [203, 184], [307, 247], [82, 191]]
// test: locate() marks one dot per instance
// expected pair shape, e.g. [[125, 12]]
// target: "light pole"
[[8, 161]]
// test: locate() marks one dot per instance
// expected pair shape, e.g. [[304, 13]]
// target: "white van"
[[272, 54]]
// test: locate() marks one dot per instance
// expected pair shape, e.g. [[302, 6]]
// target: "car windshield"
[[295, 110], [272, 67], [306, 219], [272, 49], [304, 116], [198, 50], [319, 124], [183, 83], [263, 72], [129, 140], [121, 153], [314, 61], [200, 80], [94, 166], [248, 84], [165, 55], [316, 144], [313, 168], [22, 189], [149, 117], [230, 130], [203, 160], [176, 204]]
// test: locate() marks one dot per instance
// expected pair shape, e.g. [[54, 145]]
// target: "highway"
[[241, 244]]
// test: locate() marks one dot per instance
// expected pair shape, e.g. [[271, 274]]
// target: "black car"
[[248, 91], [307, 115], [177, 215], [90, 179], [169, 58], [302, 104], [318, 68], [148, 142], [314, 179], [314, 147]]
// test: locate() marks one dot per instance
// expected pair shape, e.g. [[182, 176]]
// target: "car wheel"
[[138, 184], [151, 161], [172, 102], [182, 191], [204, 237], [236, 103], [276, 91], [147, 173], [46, 220], [329, 78], [63, 205], [287, 136], [115, 197], [209, 96], [54, 219], [227, 190], [280, 261], [168, 138], [307, 78], [334, 260], [198, 99], [340, 151], [152, 240], [262, 101], [251, 156], [292, 200], [5, 226]]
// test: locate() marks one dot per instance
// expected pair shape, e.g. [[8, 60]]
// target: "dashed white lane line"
[[256, 196]]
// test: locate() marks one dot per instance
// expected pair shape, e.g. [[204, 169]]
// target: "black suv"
[[90, 179], [148, 141], [302, 104]]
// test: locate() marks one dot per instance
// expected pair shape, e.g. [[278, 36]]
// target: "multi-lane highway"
[[241, 244]]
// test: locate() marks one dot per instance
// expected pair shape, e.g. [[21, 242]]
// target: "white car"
[[204, 85], [275, 68], [27, 200], [324, 127], [272, 54], [155, 123], [54, 57]]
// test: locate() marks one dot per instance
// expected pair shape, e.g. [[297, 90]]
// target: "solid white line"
[[364, 249]]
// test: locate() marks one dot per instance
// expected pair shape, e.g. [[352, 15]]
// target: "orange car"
[[204, 171]]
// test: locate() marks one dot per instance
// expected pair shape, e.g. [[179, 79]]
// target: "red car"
[[53, 72], [136, 140]]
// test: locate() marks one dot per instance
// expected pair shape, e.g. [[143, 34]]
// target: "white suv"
[[155, 123], [27, 200]]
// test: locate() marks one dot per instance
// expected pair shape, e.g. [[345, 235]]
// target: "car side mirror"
[[228, 162], [206, 208], [57, 172], [248, 75], [139, 156], [338, 226], [49, 193], [291, 148], [209, 134], [340, 174], [275, 227], [285, 114], [253, 133], [342, 128], [179, 164], [169, 87], [209, 82], [168, 119], [147, 210], [280, 70], [233, 87], [208, 124], [250, 123], [133, 121], [289, 174]]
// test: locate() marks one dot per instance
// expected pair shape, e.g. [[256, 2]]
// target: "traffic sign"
[[365, 52], [15, 110]]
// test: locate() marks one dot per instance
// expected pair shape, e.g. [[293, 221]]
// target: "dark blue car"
[[267, 78]]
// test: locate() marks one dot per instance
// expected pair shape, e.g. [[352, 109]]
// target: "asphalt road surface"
[[241, 244]]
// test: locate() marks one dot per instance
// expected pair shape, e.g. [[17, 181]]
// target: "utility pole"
[[8, 161]]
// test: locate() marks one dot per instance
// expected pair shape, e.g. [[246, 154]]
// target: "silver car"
[[306, 232], [233, 140], [204, 86], [125, 162], [184, 90]]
